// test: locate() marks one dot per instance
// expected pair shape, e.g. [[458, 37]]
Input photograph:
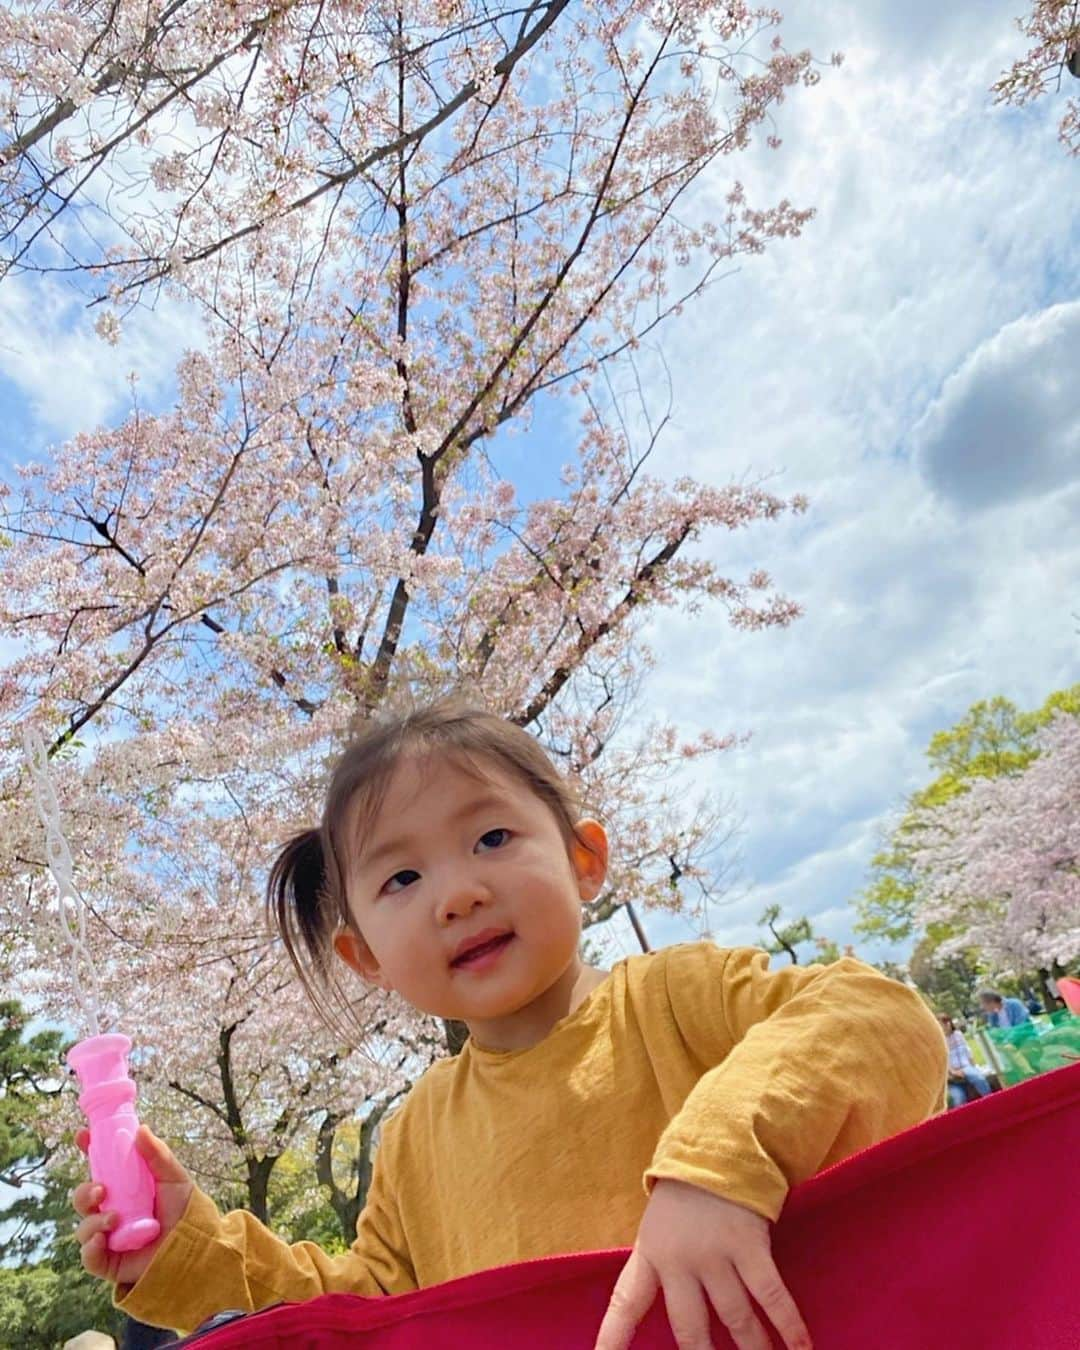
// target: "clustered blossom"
[[1001, 862], [107, 327]]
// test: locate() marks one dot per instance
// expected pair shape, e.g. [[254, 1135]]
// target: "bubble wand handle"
[[107, 1098]]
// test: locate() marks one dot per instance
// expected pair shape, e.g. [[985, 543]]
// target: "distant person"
[[962, 1069], [1002, 1012], [1031, 1001]]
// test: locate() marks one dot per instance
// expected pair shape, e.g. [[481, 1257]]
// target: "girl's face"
[[450, 861]]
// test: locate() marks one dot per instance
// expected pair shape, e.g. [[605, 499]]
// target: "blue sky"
[[909, 364]]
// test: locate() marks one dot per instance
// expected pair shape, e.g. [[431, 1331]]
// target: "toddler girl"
[[667, 1105]]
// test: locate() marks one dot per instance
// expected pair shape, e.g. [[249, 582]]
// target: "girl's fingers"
[[92, 1226], [86, 1197], [733, 1307], [631, 1299], [761, 1277], [95, 1256], [687, 1312], [159, 1157]]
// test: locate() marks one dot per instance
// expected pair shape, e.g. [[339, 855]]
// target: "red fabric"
[[963, 1232]]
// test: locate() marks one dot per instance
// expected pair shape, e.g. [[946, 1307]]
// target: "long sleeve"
[[211, 1262], [810, 1064]]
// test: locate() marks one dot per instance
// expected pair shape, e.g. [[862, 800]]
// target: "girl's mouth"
[[479, 958]]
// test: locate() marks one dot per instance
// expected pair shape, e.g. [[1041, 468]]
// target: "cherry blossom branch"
[[539, 18], [634, 595]]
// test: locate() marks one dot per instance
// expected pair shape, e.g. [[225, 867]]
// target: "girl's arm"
[[811, 1064], [211, 1262]]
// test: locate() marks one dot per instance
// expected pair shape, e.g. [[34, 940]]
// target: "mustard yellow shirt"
[[696, 1063]]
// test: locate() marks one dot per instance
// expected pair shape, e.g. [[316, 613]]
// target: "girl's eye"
[[404, 878], [494, 839]]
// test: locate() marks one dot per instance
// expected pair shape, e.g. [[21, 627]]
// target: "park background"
[[908, 363]]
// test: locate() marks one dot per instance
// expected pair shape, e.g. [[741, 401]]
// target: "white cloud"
[[62, 378], [934, 279]]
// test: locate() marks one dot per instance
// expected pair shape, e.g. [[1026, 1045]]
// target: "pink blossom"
[[1001, 862], [1052, 28]]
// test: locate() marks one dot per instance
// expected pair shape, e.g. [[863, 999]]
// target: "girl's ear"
[[359, 957], [589, 857]]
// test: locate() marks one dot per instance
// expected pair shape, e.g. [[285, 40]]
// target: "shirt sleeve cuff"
[[176, 1273], [764, 1194]]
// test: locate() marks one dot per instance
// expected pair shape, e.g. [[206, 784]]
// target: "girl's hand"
[[702, 1249], [174, 1187]]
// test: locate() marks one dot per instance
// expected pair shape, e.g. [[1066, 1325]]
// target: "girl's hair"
[[306, 895]]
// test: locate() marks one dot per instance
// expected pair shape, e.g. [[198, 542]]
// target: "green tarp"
[[1036, 1047]]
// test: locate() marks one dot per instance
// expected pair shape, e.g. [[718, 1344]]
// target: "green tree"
[[48, 1297], [789, 936], [826, 950], [950, 984], [44, 1304], [28, 1078], [300, 1210]]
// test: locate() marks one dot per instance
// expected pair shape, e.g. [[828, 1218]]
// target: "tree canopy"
[[995, 743], [992, 739]]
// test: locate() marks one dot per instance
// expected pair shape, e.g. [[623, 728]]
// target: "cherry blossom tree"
[[407, 229], [994, 738], [1000, 862], [1053, 30]]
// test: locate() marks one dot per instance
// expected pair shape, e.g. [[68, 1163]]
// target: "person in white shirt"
[[962, 1067]]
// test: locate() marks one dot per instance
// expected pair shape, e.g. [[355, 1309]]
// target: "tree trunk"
[[347, 1202], [783, 944], [258, 1185]]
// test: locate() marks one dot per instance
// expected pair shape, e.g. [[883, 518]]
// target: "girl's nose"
[[460, 896]]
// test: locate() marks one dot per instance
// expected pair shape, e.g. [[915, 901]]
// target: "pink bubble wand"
[[100, 1061]]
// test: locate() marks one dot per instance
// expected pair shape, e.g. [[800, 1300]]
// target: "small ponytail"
[[297, 900]]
